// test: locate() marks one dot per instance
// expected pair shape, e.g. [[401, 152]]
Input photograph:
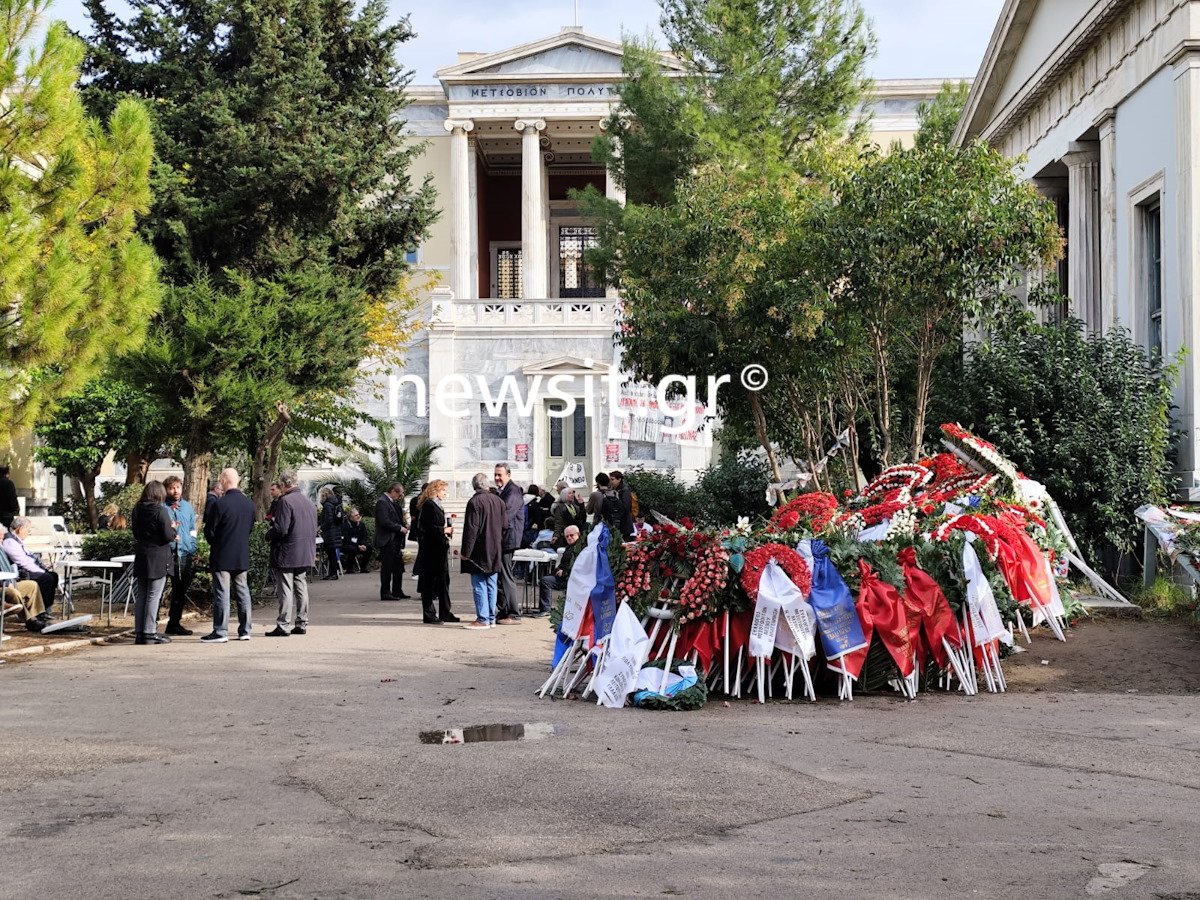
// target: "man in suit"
[[228, 520], [356, 543], [293, 536], [509, 607], [389, 526]]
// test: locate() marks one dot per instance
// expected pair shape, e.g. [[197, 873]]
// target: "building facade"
[[1100, 99]]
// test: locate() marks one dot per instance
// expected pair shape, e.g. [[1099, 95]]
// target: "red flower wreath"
[[789, 560], [814, 511]]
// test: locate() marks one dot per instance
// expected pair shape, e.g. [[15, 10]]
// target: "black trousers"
[[438, 591], [47, 583], [391, 570], [354, 559], [183, 570], [331, 551]]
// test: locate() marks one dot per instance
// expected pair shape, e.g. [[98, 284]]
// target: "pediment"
[[566, 365], [570, 52]]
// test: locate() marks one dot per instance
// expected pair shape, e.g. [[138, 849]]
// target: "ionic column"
[[1083, 233], [535, 262], [1107, 126], [461, 164]]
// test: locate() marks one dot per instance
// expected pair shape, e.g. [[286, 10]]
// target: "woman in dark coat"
[[433, 567], [331, 529], [153, 534]]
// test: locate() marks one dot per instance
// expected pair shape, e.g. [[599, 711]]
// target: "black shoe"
[[278, 632], [178, 630], [428, 621], [403, 596], [159, 639], [299, 629], [450, 619], [389, 598], [538, 614], [140, 639]]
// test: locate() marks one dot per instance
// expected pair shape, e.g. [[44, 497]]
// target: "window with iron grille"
[[493, 435], [1151, 265], [576, 277], [508, 273]]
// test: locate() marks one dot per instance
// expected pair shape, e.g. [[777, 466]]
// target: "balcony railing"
[[599, 311]]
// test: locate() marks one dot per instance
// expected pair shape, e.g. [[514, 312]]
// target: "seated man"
[[25, 594], [356, 543], [28, 567], [558, 581]]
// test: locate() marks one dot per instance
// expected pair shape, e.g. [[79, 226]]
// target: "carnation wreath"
[[813, 511], [789, 560]]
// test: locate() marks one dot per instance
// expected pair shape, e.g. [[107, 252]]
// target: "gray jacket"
[[293, 533]]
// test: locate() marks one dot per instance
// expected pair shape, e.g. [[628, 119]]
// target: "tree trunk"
[[88, 482], [883, 398], [136, 466], [266, 459], [196, 464], [760, 429]]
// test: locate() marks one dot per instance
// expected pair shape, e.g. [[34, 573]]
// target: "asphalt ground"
[[293, 768]]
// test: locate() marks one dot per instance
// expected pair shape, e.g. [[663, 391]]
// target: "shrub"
[[663, 493], [1087, 415], [734, 486], [107, 544]]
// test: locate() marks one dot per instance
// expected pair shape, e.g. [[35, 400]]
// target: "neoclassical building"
[[1101, 99], [508, 137]]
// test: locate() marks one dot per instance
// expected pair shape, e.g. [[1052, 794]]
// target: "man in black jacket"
[[228, 519], [10, 507], [389, 525], [356, 543]]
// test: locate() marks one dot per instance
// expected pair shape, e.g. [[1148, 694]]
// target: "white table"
[[538, 559], [71, 567]]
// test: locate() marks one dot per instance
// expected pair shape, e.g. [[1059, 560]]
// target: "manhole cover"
[[476, 734]]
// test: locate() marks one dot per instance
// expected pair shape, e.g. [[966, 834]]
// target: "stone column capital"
[[1106, 122], [530, 126], [463, 125], [1082, 154]]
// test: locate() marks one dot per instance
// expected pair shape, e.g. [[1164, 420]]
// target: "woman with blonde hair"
[[432, 567], [107, 515]]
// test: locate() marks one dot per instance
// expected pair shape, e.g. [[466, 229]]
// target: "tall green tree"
[[77, 284], [282, 184], [725, 164], [107, 416], [924, 242]]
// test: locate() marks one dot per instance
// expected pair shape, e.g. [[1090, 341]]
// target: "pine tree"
[[282, 176], [76, 283]]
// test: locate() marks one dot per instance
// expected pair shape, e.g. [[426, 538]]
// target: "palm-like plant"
[[387, 464]]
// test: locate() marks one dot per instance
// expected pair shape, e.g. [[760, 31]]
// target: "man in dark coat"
[[10, 507], [617, 483], [228, 520], [356, 543], [389, 524], [293, 536], [509, 607], [482, 549]]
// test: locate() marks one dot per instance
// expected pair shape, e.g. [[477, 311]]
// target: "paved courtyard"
[[293, 768]]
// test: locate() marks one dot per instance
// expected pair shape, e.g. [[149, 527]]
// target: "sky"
[[917, 38]]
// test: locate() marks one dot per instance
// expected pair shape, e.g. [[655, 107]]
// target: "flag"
[[628, 646]]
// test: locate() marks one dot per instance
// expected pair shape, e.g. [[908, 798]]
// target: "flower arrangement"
[[698, 598], [809, 512], [788, 559]]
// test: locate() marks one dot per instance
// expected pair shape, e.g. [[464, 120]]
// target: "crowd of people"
[[500, 519]]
